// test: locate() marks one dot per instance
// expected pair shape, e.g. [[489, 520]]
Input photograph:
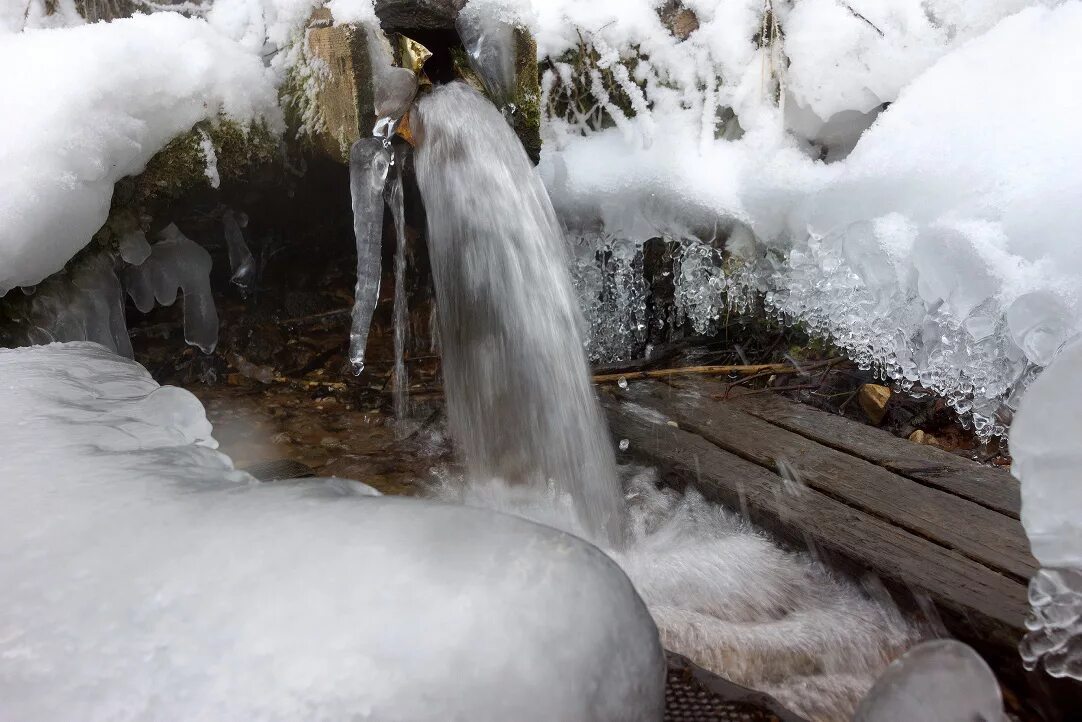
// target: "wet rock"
[[344, 98], [681, 21], [418, 14], [873, 399]]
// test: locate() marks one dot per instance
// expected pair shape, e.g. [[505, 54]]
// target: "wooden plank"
[[987, 536], [986, 599], [993, 488]]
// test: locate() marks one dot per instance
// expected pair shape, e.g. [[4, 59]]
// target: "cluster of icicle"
[[981, 364], [607, 274], [88, 303]]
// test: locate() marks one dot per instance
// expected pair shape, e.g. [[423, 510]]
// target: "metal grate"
[[694, 695]]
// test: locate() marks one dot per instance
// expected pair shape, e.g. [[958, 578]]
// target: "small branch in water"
[[696, 370], [316, 317]]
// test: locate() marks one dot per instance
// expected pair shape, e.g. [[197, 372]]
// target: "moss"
[[180, 167], [527, 96]]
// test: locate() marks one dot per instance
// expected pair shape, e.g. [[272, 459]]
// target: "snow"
[[167, 585], [92, 104], [936, 245], [352, 11]]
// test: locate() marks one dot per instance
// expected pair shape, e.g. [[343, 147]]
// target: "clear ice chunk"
[[134, 248], [938, 681], [393, 88], [1039, 324], [178, 264], [241, 262], [1044, 442], [369, 163], [489, 39], [85, 304]]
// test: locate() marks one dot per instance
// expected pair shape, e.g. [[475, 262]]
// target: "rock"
[[344, 100], [418, 14], [681, 21], [873, 399], [920, 437]]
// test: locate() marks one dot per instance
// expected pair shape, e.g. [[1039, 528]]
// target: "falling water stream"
[[520, 402]]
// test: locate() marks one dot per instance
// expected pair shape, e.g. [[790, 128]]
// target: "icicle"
[[369, 161], [178, 263], [394, 198], [241, 262]]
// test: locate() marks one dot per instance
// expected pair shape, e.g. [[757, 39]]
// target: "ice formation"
[[177, 263], [369, 163], [938, 251], [92, 104], [938, 681], [489, 39], [241, 262], [167, 585], [1046, 453], [85, 304], [607, 274], [519, 397]]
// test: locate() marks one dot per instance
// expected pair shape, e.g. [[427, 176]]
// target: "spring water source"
[[519, 398]]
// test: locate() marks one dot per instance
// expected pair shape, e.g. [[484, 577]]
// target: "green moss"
[[180, 167], [527, 97]]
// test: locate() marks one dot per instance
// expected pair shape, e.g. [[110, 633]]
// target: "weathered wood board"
[[944, 528]]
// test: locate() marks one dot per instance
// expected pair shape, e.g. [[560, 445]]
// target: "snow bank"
[[92, 104], [937, 245], [145, 579]]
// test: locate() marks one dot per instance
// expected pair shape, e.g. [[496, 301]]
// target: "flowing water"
[[520, 402], [396, 202]]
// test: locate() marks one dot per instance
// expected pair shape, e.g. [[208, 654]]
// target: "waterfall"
[[520, 402]]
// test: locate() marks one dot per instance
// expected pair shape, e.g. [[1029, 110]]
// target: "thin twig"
[[316, 317], [695, 370], [861, 17]]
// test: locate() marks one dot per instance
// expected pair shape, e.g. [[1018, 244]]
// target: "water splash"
[[519, 398]]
